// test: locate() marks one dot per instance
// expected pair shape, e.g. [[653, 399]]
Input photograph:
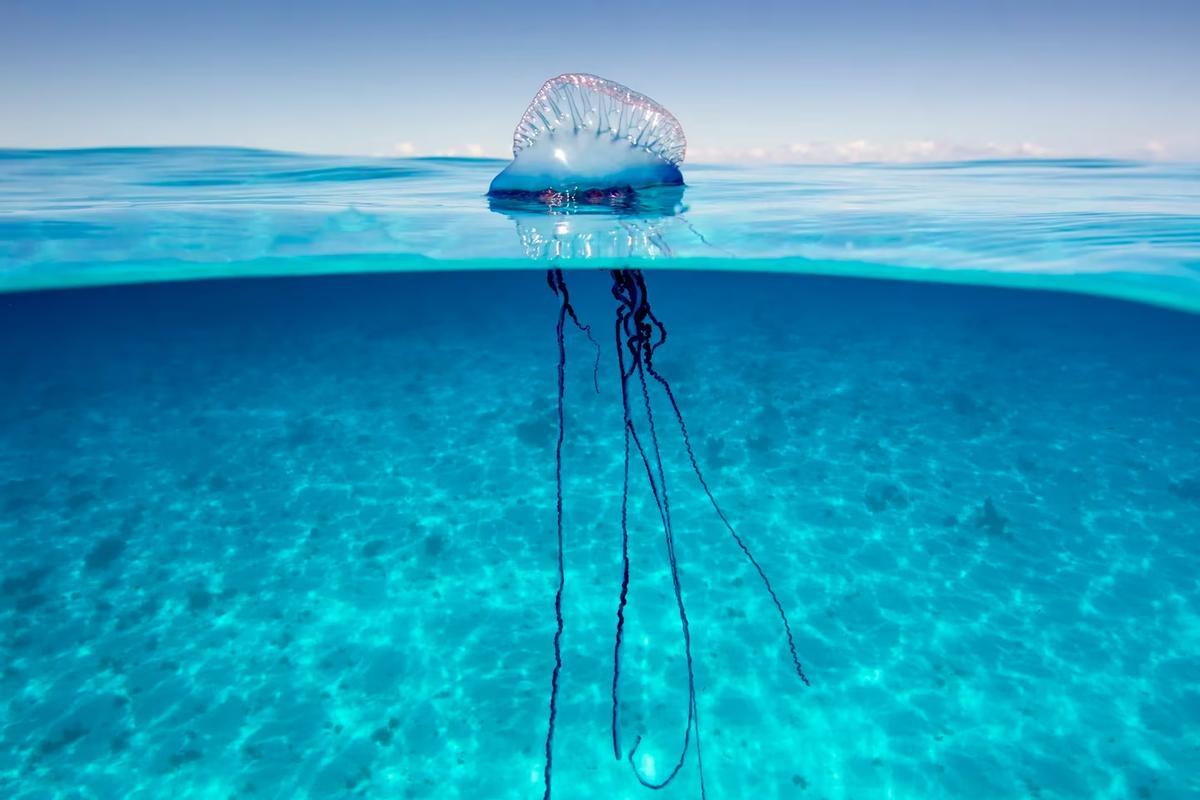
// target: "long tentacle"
[[638, 333], [683, 619], [559, 284], [554, 277], [687, 443], [624, 595], [633, 321]]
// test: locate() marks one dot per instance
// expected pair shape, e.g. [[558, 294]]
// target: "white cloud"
[[918, 150], [848, 151], [859, 150], [468, 151]]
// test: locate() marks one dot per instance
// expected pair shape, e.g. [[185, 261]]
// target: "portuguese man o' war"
[[593, 140], [588, 143]]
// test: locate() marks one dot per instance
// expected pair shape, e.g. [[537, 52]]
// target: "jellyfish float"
[[586, 147], [589, 140]]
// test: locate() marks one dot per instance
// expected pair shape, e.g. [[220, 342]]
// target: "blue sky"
[[770, 80]]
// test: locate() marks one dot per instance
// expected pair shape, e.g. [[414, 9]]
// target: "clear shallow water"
[[294, 538], [1126, 229]]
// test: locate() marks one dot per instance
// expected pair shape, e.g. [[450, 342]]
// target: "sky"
[[776, 81]]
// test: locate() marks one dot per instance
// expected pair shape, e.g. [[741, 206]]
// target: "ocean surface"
[[292, 533], [84, 217]]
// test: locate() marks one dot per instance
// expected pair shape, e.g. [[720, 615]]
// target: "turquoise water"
[[1119, 228], [294, 536]]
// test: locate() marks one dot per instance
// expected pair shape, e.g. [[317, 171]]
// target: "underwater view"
[[354, 448], [290, 531]]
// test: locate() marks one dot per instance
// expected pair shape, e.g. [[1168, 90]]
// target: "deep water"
[[294, 538]]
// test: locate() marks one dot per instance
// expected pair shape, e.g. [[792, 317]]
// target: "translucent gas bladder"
[[591, 141]]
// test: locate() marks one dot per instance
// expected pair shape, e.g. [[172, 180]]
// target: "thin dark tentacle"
[[695, 710], [587, 331], [630, 432], [554, 277], [558, 284], [649, 365], [687, 443], [677, 586], [624, 596], [634, 321], [638, 333]]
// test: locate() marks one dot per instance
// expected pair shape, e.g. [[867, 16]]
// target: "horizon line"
[[777, 157]]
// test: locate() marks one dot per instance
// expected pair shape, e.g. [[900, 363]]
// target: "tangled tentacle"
[[638, 334], [638, 327]]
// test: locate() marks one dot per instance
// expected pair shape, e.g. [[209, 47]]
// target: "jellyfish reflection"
[[632, 226]]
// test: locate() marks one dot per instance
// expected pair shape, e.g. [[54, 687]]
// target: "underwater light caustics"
[[589, 138]]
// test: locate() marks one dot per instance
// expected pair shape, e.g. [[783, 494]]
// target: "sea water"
[[290, 533]]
